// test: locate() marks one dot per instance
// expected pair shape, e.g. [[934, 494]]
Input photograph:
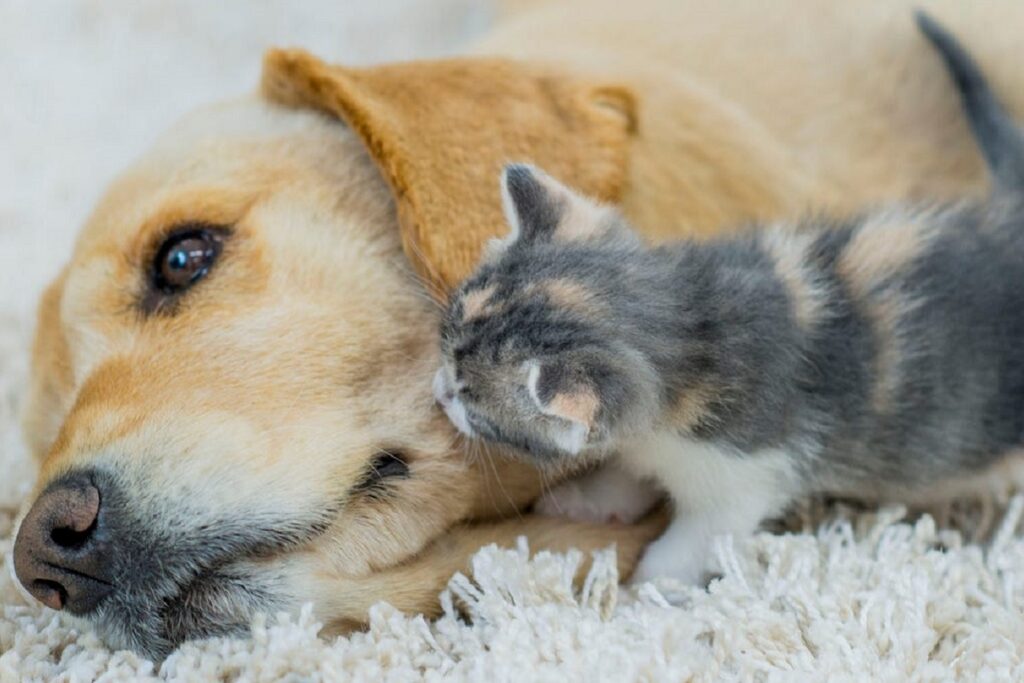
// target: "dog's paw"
[[605, 495]]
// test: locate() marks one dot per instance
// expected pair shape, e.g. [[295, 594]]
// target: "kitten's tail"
[[1000, 140]]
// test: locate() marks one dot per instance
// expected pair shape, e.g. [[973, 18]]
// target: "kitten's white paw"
[[682, 553], [657, 564], [607, 494]]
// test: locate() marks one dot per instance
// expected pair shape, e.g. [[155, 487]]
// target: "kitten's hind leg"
[[607, 494]]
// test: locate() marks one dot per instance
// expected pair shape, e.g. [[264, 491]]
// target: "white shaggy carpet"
[[866, 596]]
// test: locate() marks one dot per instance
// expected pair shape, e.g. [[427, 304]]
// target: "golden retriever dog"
[[231, 394]]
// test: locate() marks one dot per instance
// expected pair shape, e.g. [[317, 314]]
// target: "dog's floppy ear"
[[441, 132]]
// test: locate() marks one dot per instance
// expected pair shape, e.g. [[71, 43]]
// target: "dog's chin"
[[197, 573], [214, 602]]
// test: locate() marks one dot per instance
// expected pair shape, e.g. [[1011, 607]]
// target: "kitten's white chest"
[[702, 476], [715, 491]]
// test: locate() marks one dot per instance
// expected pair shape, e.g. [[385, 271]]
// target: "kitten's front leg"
[[684, 551], [716, 492], [607, 494]]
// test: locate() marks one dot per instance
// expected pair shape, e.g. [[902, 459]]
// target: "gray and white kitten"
[[878, 356]]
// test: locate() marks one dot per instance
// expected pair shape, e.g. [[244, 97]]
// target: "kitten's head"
[[530, 353]]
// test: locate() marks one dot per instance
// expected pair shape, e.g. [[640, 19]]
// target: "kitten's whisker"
[[466, 446], [545, 483], [430, 284], [434, 302], [478, 459], [501, 486]]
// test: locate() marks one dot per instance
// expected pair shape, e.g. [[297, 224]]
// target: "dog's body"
[[828, 102], [235, 437]]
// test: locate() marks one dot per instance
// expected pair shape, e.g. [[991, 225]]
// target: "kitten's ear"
[[538, 207], [573, 402]]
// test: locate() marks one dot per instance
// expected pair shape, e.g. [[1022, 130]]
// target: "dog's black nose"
[[59, 555]]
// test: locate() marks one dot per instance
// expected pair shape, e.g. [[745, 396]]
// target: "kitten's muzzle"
[[444, 393]]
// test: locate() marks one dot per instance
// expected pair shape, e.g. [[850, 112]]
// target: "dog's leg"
[[415, 586]]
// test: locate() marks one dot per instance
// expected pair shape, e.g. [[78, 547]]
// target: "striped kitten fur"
[[877, 356]]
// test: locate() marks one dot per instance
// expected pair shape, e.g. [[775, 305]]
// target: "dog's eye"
[[384, 465], [182, 259], [185, 257]]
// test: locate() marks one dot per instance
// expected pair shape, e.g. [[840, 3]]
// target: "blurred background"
[[87, 85]]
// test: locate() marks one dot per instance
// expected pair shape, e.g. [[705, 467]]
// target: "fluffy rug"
[[845, 595]]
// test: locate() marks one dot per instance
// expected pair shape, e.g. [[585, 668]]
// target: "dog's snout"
[[59, 555]]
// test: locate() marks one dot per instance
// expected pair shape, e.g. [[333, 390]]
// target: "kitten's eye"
[[385, 465], [185, 257]]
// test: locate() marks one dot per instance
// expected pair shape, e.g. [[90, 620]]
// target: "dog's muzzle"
[[63, 553], [152, 572]]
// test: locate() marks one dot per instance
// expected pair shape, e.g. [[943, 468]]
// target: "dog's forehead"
[[217, 160], [243, 117]]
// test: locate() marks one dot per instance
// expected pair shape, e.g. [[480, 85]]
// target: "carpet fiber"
[[849, 595]]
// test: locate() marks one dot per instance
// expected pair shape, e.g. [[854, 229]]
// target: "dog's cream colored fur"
[[311, 346], [314, 292]]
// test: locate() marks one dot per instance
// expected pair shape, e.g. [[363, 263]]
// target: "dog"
[[231, 378]]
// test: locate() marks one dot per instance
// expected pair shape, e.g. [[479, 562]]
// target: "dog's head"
[[231, 392]]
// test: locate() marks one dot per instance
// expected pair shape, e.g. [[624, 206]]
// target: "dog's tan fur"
[[311, 345]]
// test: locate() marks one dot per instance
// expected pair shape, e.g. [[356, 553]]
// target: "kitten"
[[878, 356]]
